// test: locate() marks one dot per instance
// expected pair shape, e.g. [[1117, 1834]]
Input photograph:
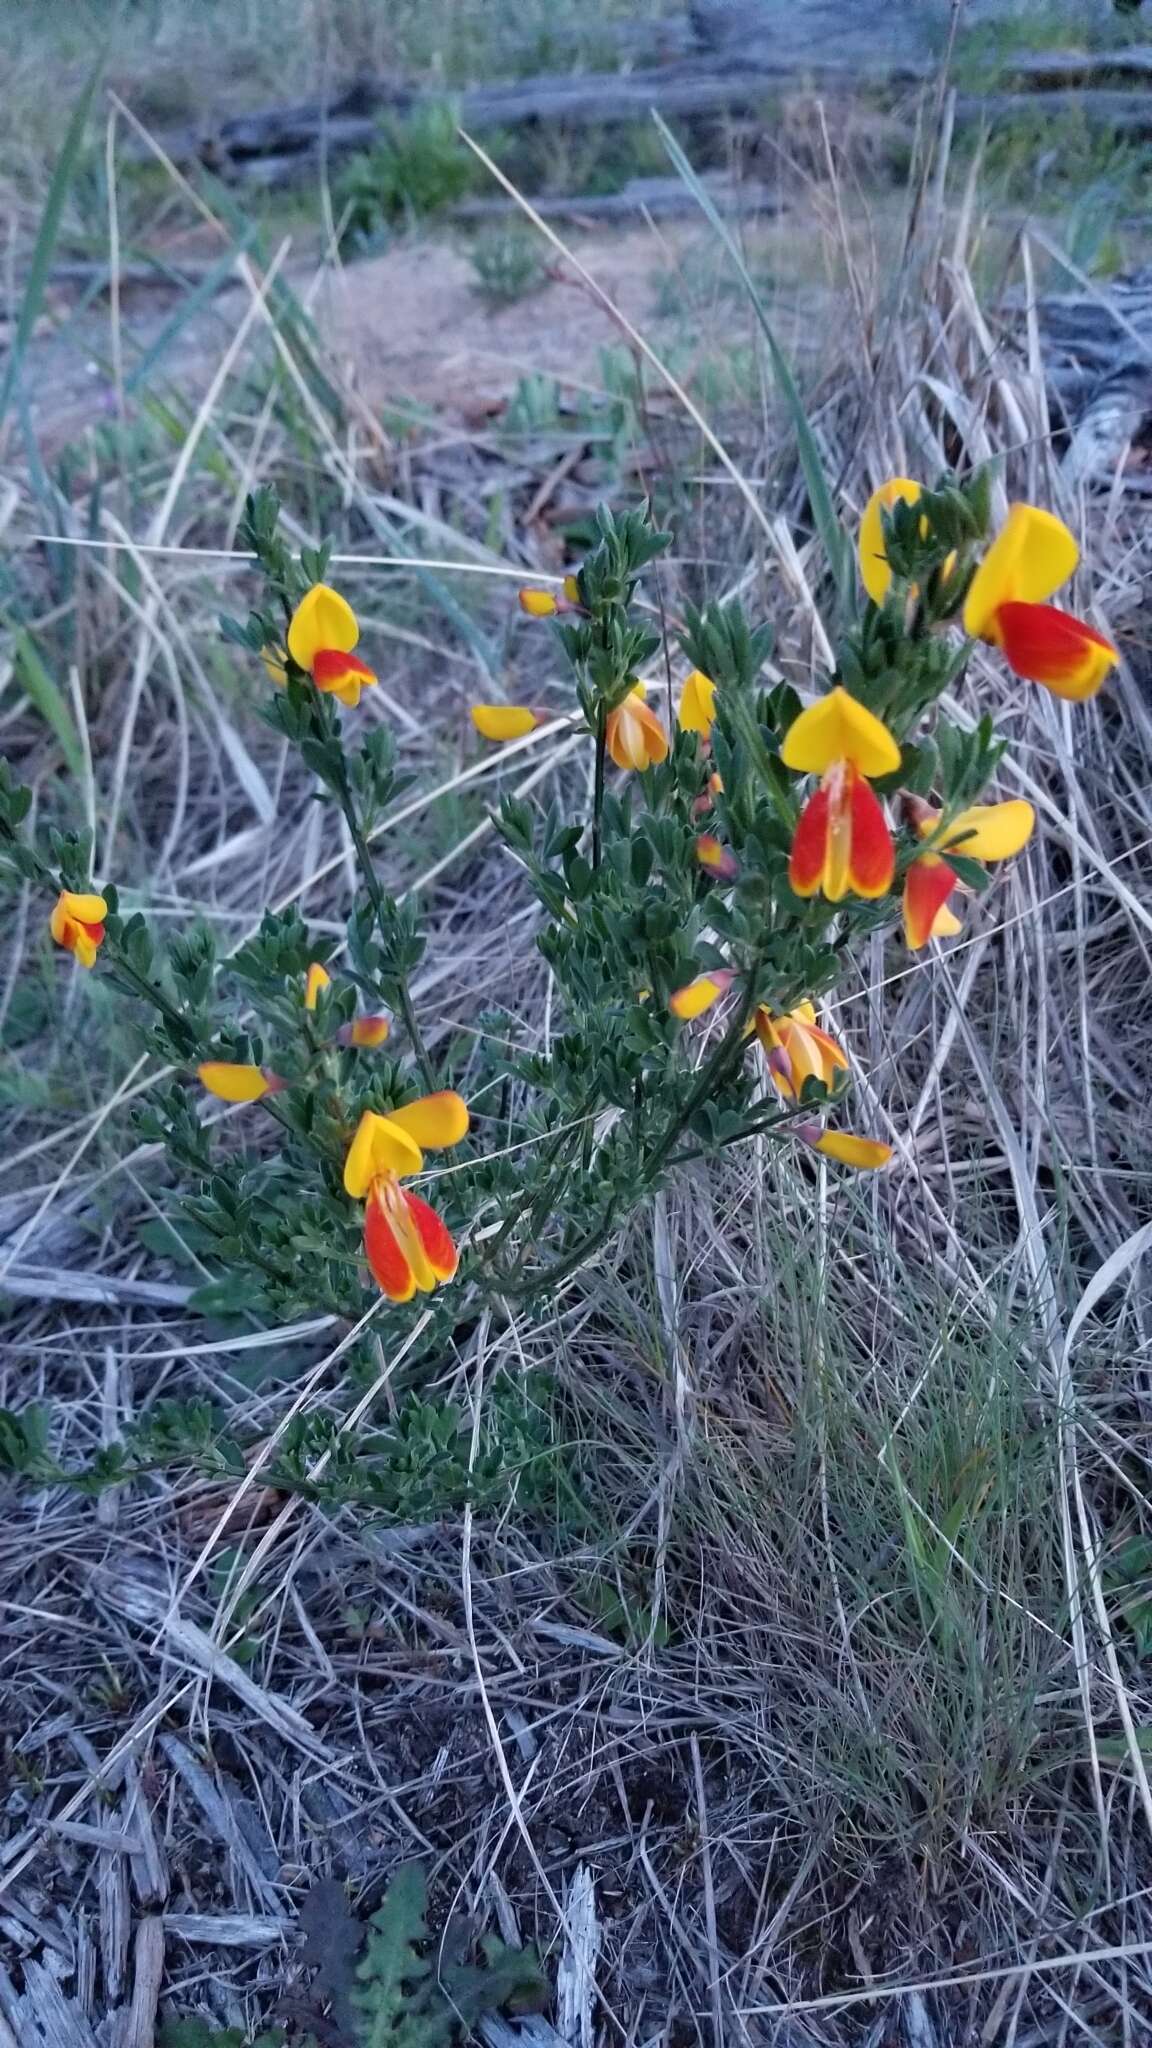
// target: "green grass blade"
[[832, 535], [48, 699], [46, 238]]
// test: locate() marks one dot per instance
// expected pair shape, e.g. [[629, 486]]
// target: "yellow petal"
[[322, 619], [84, 949], [945, 924], [369, 1031], [233, 1081], [865, 1153], [378, 1147], [697, 704], [317, 978], [992, 831], [434, 1120], [697, 996], [874, 571], [839, 728], [1031, 556], [504, 721], [84, 908], [539, 604], [572, 589]]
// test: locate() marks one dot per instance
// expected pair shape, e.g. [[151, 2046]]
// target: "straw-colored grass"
[[820, 1667]]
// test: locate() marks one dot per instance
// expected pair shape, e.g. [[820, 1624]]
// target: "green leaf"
[[49, 228], [49, 700]]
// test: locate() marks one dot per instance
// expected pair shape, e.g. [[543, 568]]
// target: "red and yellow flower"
[[77, 923], [988, 832], [321, 637], [365, 1032], [407, 1246], [798, 1050], [697, 704], [716, 857], [636, 739], [1032, 555], [842, 844]]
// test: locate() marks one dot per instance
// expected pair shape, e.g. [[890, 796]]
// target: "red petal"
[[435, 1237], [809, 845], [871, 860], [330, 667], [927, 887], [1044, 644], [95, 932], [389, 1267]]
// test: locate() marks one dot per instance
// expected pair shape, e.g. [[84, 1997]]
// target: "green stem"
[[598, 786], [375, 894]]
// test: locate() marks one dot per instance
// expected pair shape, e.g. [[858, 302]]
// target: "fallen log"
[[260, 146], [1125, 113], [654, 198], [1080, 67], [1097, 353]]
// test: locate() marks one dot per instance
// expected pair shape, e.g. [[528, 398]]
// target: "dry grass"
[[818, 1671]]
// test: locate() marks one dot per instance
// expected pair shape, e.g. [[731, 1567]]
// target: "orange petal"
[[232, 1081], [387, 1262], [636, 739], [927, 886], [321, 619], [435, 1237], [369, 1031], [1046, 645], [809, 846], [340, 673], [871, 857]]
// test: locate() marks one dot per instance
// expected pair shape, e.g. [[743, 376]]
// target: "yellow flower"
[[874, 570], [842, 842], [321, 637], [798, 1050], [866, 1154], [697, 996], [233, 1081], [697, 704], [77, 923], [405, 1242], [636, 739], [317, 978], [502, 722]]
